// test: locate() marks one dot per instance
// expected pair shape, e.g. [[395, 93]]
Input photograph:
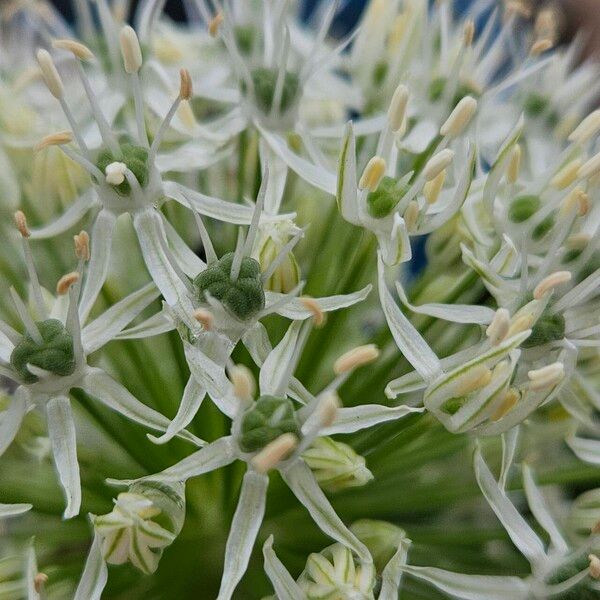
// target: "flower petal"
[[159, 323], [283, 583], [585, 449], [12, 510], [347, 183], [11, 419], [392, 573], [95, 574]]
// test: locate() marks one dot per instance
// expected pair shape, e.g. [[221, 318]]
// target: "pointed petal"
[[12, 510], [95, 574], [244, 529], [68, 219], [409, 341], [395, 245], [100, 385], [61, 430], [587, 450], [157, 324], [282, 582], [278, 171], [31, 570], [189, 262], [349, 420], [509, 448], [103, 329], [347, 183], [11, 419], [392, 573], [301, 481]]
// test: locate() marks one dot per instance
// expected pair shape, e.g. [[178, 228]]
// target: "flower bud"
[[380, 537], [336, 466], [585, 513]]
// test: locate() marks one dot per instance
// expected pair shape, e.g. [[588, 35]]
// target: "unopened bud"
[[357, 357], [437, 164], [460, 117], [274, 452], [65, 282], [373, 174], [130, 49], [79, 50], [50, 74]]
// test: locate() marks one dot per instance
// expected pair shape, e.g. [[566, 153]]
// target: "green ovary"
[[269, 418], [55, 354], [523, 208], [549, 328], [265, 82], [385, 198], [244, 297], [136, 159]]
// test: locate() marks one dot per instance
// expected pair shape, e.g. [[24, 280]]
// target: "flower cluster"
[[214, 348]]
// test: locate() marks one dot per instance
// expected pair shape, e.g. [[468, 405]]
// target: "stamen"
[[82, 246], [475, 378], [215, 23], [65, 282], [520, 324], [373, 174], [115, 173], [510, 398], [460, 117], [548, 376], [397, 109], [21, 222], [578, 241], [469, 33], [590, 168], [81, 51], [584, 204], [54, 139], [567, 175], [26, 319], [205, 318], [357, 357], [594, 566], [550, 282], [541, 46], [39, 581], [313, 306], [274, 452], [587, 129], [437, 164], [185, 84], [328, 408], [130, 49], [575, 200], [411, 215], [514, 166], [50, 74], [518, 8], [499, 327], [243, 382], [433, 188]]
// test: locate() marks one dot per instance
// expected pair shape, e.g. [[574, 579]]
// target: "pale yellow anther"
[[357, 357], [397, 109], [82, 245], [115, 173], [313, 306], [590, 168], [243, 382], [567, 175], [21, 223], [549, 283], [39, 581], [437, 164], [205, 318], [186, 114], [213, 26], [54, 139], [548, 376], [185, 84], [541, 46], [518, 8], [469, 32], [594, 566], [274, 452], [411, 215], [328, 409], [65, 282], [460, 117], [475, 379], [578, 241], [520, 324], [130, 49], [79, 50], [507, 403], [514, 166], [573, 202], [587, 129], [373, 174], [584, 204], [433, 188], [596, 528], [50, 74], [499, 327]]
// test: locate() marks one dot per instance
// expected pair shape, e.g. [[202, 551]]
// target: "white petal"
[[243, 531], [157, 324], [11, 419], [587, 450], [95, 574], [191, 156], [283, 583], [524, 538], [68, 219], [61, 431], [539, 509], [301, 481], [189, 262], [472, 587], [395, 245], [12, 510], [97, 270], [392, 573], [509, 448], [347, 183], [277, 178], [31, 570], [409, 341], [103, 387], [103, 329], [190, 403], [349, 420]]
